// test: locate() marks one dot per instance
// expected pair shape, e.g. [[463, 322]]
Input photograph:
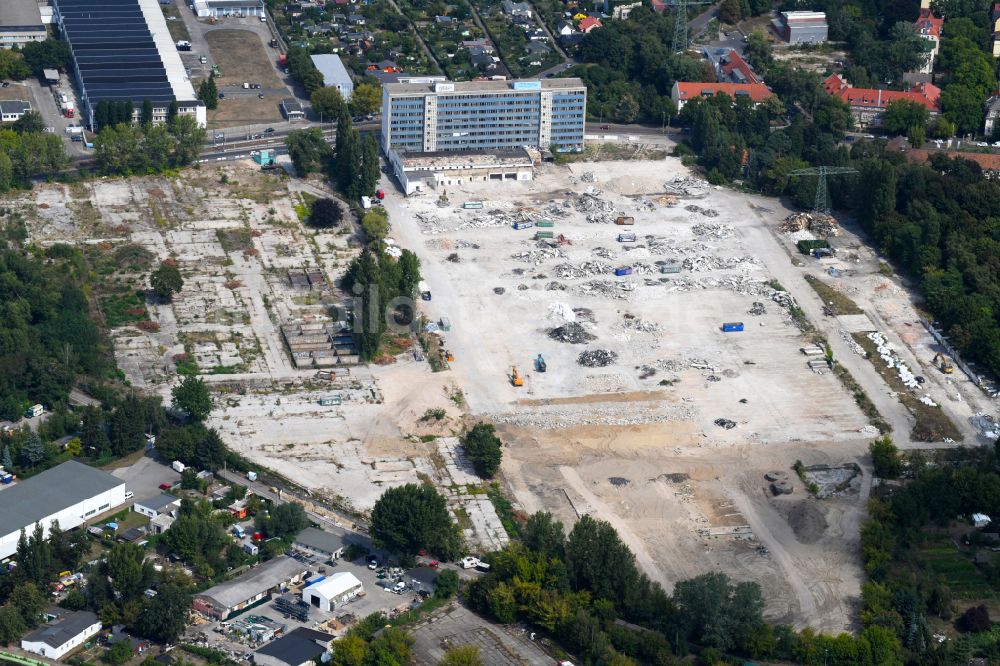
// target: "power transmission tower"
[[822, 204], [681, 22]]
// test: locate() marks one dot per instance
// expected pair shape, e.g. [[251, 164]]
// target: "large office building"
[[20, 23], [70, 493], [483, 115], [121, 51]]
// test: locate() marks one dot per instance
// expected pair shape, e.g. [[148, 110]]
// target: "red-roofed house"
[[868, 104], [929, 27], [684, 91], [588, 24], [659, 6]]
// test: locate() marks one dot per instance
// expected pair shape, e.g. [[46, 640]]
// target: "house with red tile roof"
[[685, 91], [730, 67], [868, 104], [588, 24], [929, 27]]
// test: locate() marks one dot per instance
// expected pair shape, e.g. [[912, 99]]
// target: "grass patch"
[[123, 309], [505, 511], [304, 207], [941, 557], [612, 151], [932, 424], [235, 240], [837, 301]]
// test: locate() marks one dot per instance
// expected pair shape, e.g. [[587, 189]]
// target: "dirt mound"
[[805, 518]]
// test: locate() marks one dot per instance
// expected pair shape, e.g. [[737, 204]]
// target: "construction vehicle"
[[540, 363], [515, 377], [942, 364]]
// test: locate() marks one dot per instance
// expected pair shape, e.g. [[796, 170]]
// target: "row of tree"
[[27, 152], [383, 289], [125, 148]]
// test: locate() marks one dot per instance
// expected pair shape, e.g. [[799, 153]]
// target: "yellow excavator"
[[941, 362], [515, 377]]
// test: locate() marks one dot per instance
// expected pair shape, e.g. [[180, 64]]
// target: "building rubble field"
[[638, 369]]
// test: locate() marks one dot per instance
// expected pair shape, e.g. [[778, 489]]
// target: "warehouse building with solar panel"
[[122, 50]]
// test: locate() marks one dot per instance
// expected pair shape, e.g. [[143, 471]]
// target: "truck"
[[732, 326], [34, 410], [178, 466], [183, 45], [523, 225], [251, 476], [69, 109], [239, 532], [425, 290], [624, 270]]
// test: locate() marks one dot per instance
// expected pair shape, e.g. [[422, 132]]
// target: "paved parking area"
[[145, 476], [460, 626]]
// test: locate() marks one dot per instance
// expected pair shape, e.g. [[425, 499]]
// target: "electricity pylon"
[[822, 204], [681, 22]]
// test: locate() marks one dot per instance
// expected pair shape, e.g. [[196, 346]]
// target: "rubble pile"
[[716, 231], [602, 252], [555, 286], [639, 324], [566, 417], [855, 347], [620, 290], [555, 210], [686, 186], [568, 271], [587, 177], [597, 358], [725, 423], [429, 224], [539, 256], [572, 333], [588, 203], [757, 309], [584, 314], [888, 354], [987, 425], [707, 212], [817, 223], [562, 311], [701, 263]]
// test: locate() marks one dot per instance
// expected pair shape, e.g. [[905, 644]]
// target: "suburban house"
[[157, 505], [684, 91], [565, 28], [588, 24], [730, 67], [621, 12], [11, 110], [62, 634], [929, 28], [516, 8], [868, 104], [802, 27]]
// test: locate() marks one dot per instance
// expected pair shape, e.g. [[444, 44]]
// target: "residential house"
[[62, 634], [319, 542], [482, 57], [238, 509], [684, 91], [588, 24], [730, 67], [482, 42], [621, 12], [11, 110], [995, 17], [444, 20], [929, 28], [516, 8], [293, 10], [356, 19], [659, 6], [868, 104], [161, 504], [537, 49], [537, 35], [299, 647], [565, 28]]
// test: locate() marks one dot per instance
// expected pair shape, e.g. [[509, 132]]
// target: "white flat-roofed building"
[[419, 171], [335, 75], [20, 23]]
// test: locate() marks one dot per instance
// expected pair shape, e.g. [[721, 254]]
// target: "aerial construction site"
[[655, 352]]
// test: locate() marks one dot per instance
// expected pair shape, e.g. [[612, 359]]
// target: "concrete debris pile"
[[757, 309], [716, 231], [562, 311], [701, 263], [538, 256], [568, 271], [597, 358], [707, 212], [584, 314], [855, 347], [587, 177], [891, 359], [666, 200], [572, 333], [783, 298], [869, 431], [555, 210], [987, 425], [679, 365], [495, 218], [620, 290], [605, 416], [725, 424], [817, 223], [429, 224], [602, 218], [639, 324], [587, 203], [686, 186], [555, 286], [602, 252]]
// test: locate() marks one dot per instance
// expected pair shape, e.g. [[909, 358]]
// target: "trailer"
[[626, 238], [523, 225], [625, 270], [178, 466], [473, 205], [543, 234], [732, 326], [545, 223], [625, 221]]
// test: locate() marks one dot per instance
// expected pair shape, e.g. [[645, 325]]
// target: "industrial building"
[[227, 598], [318, 542], [62, 634], [70, 493], [421, 171], [122, 50], [222, 8], [483, 115], [335, 75], [802, 27], [333, 591], [300, 647], [20, 23]]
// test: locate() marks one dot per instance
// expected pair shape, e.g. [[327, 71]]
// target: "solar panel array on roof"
[[115, 54]]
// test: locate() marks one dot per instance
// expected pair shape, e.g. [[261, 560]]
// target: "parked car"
[[260, 95], [165, 486], [399, 587], [605, 127], [269, 130]]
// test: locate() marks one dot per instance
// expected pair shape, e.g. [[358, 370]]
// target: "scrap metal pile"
[[597, 358], [818, 223]]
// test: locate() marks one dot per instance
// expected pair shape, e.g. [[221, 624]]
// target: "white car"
[[399, 587], [470, 562]]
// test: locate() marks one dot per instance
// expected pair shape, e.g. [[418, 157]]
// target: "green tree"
[[12, 626], [146, 115], [627, 109], [544, 534], [32, 451], [189, 139], [7, 461], [325, 213], [210, 451], [48, 54], [462, 655], [446, 584], [729, 12], [348, 153], [13, 66], [191, 396], [29, 603], [759, 52], [308, 150], [30, 122], [172, 110], [129, 574], [483, 449], [93, 437], [164, 617], [885, 457], [375, 224], [283, 520], [412, 517], [166, 280], [119, 653], [351, 650], [365, 99], [208, 92], [327, 102], [718, 614], [370, 166], [903, 115]]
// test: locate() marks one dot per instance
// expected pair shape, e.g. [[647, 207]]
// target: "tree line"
[[125, 148]]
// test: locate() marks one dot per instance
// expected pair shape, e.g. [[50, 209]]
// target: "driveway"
[[144, 477]]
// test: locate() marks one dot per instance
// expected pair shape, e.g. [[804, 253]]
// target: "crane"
[[822, 204], [680, 42]]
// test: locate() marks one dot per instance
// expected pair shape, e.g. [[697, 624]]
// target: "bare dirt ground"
[[242, 57]]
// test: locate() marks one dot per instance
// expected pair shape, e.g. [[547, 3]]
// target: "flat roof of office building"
[[468, 87], [23, 14], [123, 50], [450, 159], [50, 492]]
